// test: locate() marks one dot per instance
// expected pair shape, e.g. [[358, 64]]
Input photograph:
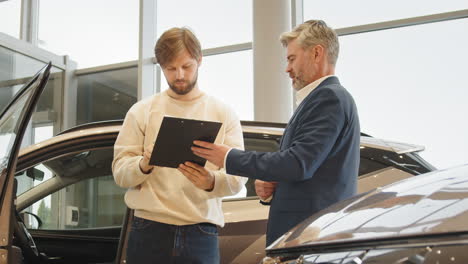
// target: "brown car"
[[80, 207], [69, 210], [418, 220]]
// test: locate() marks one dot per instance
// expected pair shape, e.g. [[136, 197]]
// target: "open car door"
[[13, 122]]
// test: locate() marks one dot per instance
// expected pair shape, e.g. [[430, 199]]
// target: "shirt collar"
[[302, 93]]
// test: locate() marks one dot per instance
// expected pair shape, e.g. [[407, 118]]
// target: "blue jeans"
[[154, 242]]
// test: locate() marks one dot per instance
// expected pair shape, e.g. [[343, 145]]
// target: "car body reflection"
[[424, 217]]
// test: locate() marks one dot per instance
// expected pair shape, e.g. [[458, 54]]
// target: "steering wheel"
[[25, 241]]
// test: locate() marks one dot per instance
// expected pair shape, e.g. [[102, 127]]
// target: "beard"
[[183, 87], [298, 83]]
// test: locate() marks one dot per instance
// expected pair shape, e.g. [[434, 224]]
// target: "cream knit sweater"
[[166, 195]]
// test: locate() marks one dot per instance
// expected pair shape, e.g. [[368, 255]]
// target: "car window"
[[9, 125], [369, 165], [91, 203], [373, 159], [31, 177], [262, 145], [13, 122], [80, 192]]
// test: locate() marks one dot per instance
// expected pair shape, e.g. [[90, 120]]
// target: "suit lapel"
[[300, 108]]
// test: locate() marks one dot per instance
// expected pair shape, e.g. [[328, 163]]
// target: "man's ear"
[[199, 61], [318, 52]]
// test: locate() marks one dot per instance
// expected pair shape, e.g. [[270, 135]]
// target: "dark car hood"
[[429, 204]]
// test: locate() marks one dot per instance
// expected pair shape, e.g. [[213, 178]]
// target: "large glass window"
[[91, 32], [15, 71], [10, 14], [215, 23], [106, 95], [228, 77], [351, 13], [410, 85]]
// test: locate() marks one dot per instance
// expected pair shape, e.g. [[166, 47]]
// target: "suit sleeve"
[[318, 127]]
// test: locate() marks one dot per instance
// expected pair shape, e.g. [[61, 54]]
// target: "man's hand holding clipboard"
[[175, 139], [145, 167], [172, 148], [214, 153]]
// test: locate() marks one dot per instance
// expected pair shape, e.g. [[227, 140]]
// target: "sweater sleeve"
[[226, 184], [128, 151]]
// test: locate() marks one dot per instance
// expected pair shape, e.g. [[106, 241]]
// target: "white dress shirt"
[[304, 92]]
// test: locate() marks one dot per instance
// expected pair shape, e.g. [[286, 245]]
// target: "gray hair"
[[314, 32]]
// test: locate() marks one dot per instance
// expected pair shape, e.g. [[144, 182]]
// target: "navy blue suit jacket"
[[317, 164]]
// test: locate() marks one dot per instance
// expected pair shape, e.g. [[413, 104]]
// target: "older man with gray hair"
[[317, 164]]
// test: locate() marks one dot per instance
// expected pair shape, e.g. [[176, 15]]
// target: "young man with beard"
[[317, 164], [177, 211]]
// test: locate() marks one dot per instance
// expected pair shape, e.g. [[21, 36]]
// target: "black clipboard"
[[176, 136]]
